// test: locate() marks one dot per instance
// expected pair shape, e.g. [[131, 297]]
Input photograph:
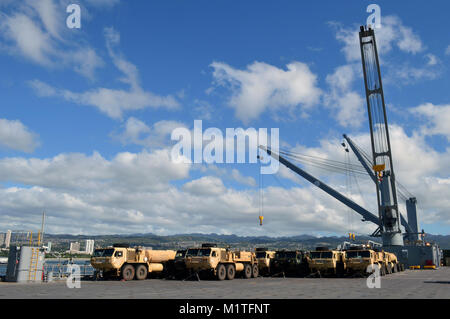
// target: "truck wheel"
[[128, 272], [231, 272], [383, 270], [221, 272], [141, 272], [389, 269], [255, 271], [247, 271], [107, 275]]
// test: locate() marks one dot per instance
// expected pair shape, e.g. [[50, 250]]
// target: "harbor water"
[[60, 268]]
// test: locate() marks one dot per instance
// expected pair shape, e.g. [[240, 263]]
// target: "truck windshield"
[[198, 252], [321, 254], [358, 254], [180, 254], [103, 253], [261, 254], [286, 254]]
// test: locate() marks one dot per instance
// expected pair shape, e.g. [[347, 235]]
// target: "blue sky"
[[84, 110]]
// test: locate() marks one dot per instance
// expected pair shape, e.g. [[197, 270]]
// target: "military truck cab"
[[289, 262], [360, 258], [176, 268], [264, 256], [327, 262]]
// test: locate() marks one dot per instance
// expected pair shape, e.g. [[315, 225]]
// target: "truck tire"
[[141, 272], [255, 271], [389, 269], [247, 271], [383, 270], [128, 272], [231, 271], [221, 272], [107, 275]]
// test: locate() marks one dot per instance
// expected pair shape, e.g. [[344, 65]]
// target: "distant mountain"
[[61, 241]]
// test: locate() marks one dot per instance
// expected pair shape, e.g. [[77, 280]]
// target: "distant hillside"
[[187, 240]]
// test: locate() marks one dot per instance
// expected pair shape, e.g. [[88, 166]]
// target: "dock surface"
[[409, 284]]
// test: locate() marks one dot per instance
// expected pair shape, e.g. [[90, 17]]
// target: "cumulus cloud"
[[262, 87], [35, 31], [348, 104], [16, 136], [392, 35], [438, 117], [112, 102], [137, 132], [134, 193], [418, 167], [227, 174], [146, 192]]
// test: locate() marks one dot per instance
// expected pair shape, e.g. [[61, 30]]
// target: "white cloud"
[[133, 193], [227, 174], [75, 172], [112, 102], [16, 136], [29, 39], [348, 104], [206, 185], [432, 59], [245, 180], [137, 132], [263, 87], [418, 167], [35, 30], [146, 192], [438, 117], [48, 13], [392, 33]]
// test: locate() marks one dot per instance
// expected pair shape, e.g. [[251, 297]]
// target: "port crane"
[[381, 170]]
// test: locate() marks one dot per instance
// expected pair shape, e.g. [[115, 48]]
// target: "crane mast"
[[381, 146]]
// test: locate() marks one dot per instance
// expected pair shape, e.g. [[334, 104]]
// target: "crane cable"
[[261, 199]]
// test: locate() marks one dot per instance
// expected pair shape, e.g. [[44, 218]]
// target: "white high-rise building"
[[74, 247], [89, 246], [8, 239], [2, 239]]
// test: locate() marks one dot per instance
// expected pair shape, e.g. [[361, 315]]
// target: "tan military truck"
[[221, 263], [392, 263], [121, 261], [360, 258], [263, 256], [324, 261]]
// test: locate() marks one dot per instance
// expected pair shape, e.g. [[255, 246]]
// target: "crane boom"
[[409, 229], [381, 145], [345, 200]]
